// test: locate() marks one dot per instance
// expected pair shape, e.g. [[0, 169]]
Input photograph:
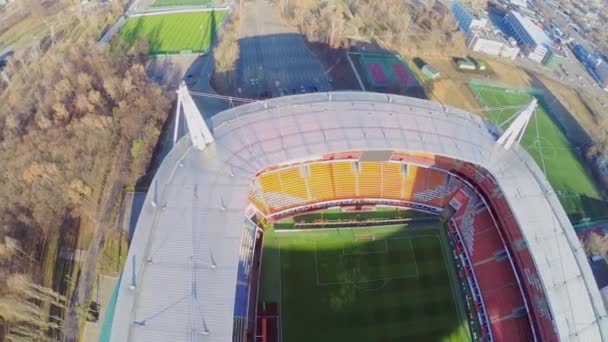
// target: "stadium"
[[480, 247]]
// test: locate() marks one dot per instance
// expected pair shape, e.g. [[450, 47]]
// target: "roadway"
[[274, 58]]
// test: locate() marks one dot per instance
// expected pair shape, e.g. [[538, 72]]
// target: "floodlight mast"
[[199, 132], [516, 130]]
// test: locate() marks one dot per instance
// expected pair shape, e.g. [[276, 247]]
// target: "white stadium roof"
[[185, 249]]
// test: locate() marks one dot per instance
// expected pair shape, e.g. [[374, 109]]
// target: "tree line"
[[397, 25], [75, 121]]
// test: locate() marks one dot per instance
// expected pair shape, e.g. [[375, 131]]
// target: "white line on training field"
[[352, 65], [280, 320], [414, 257], [451, 276], [316, 262]]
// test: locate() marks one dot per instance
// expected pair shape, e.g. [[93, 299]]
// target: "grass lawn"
[[173, 33], [548, 145], [162, 3], [368, 284]]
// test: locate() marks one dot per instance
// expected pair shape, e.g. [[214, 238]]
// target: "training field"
[[389, 283], [163, 3], [385, 73], [548, 145], [174, 33]]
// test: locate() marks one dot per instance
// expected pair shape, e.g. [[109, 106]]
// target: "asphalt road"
[[274, 58]]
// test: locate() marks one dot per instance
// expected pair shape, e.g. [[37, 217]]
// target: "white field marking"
[[452, 291], [385, 251], [280, 320], [387, 279], [352, 65], [303, 230], [374, 289]]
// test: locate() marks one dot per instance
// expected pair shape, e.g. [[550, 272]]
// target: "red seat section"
[[487, 244], [502, 302], [512, 330]]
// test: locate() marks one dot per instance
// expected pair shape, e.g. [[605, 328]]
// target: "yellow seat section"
[[293, 183], [369, 179], [410, 182], [392, 180], [320, 182], [270, 182], [345, 184]]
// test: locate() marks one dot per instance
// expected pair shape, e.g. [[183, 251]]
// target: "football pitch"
[[550, 148], [173, 33], [388, 283]]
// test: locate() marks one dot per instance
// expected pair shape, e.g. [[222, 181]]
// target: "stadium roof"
[[184, 254]]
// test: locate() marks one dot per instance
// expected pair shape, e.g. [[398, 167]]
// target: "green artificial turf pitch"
[[163, 3], [365, 284], [550, 148], [174, 33]]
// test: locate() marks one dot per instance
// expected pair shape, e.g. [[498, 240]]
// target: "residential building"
[[600, 74], [481, 37], [534, 42], [467, 18]]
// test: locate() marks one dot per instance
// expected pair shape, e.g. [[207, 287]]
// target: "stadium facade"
[[190, 272]]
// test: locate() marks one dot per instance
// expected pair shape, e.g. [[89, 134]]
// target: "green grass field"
[[344, 285], [173, 33], [548, 145], [165, 3]]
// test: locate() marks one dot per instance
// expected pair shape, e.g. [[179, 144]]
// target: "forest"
[[76, 122]]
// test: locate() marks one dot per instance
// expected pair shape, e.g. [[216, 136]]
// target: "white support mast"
[[516, 130], [199, 132]]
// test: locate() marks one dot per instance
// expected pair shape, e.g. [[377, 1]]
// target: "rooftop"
[[537, 34]]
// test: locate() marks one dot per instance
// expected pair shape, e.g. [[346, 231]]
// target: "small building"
[[600, 74], [465, 64], [580, 53], [481, 65], [430, 72], [552, 58], [493, 44]]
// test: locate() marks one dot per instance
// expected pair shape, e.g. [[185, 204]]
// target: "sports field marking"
[[381, 288], [384, 279], [357, 251], [280, 320], [453, 279]]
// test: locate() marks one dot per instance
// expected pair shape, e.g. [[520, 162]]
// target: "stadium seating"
[[345, 181], [321, 182], [392, 181], [284, 188], [292, 183], [370, 180], [512, 330]]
